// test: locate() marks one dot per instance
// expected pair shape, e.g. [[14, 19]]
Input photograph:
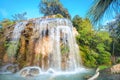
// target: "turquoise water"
[[78, 75]]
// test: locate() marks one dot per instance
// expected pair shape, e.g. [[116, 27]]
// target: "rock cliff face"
[[5, 35], [45, 42]]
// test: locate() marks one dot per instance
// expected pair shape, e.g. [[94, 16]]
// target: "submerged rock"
[[11, 68], [24, 73], [30, 71], [34, 71]]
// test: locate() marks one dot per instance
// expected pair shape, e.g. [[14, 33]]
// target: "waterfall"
[[14, 42], [55, 46]]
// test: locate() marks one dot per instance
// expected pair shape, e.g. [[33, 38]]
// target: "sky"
[[11, 7]]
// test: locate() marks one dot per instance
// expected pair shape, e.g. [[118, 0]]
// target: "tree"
[[114, 30], [103, 8], [114, 27], [94, 45], [53, 7], [19, 16]]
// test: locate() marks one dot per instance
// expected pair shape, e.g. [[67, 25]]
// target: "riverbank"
[[112, 73]]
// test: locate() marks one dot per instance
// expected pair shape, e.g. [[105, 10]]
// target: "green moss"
[[64, 49], [101, 67], [12, 48], [58, 16]]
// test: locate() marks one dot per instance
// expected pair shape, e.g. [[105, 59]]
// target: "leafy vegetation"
[[101, 67], [53, 7], [102, 9], [58, 16], [64, 49], [118, 60], [114, 31], [13, 48], [94, 45], [6, 23]]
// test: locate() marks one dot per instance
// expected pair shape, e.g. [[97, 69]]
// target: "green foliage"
[[89, 59], [58, 16], [114, 30], [77, 22], [12, 48], [100, 47], [94, 45], [101, 67], [104, 58], [118, 60], [53, 7], [64, 49], [117, 48], [101, 9], [6, 23], [6, 44]]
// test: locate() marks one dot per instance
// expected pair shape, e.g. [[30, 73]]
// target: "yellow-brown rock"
[[115, 68]]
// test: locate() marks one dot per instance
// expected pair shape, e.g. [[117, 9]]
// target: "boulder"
[[30, 71]]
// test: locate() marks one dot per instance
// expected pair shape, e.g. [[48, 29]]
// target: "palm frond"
[[103, 9]]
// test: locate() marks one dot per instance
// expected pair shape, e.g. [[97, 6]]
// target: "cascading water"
[[13, 46], [63, 48], [44, 46], [56, 41]]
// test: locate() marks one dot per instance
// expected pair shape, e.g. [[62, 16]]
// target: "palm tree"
[[103, 9]]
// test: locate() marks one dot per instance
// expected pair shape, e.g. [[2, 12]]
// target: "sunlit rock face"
[[44, 42], [5, 35], [115, 68], [75, 33]]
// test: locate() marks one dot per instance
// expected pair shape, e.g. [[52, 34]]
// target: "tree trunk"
[[113, 53]]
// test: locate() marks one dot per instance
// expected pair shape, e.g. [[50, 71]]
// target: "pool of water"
[[76, 75]]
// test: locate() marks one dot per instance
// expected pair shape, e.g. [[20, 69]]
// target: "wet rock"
[[30, 71], [29, 75], [24, 73], [34, 71], [112, 73], [10, 68], [38, 39], [75, 32]]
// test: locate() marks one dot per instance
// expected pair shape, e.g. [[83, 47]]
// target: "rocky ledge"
[[112, 73]]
